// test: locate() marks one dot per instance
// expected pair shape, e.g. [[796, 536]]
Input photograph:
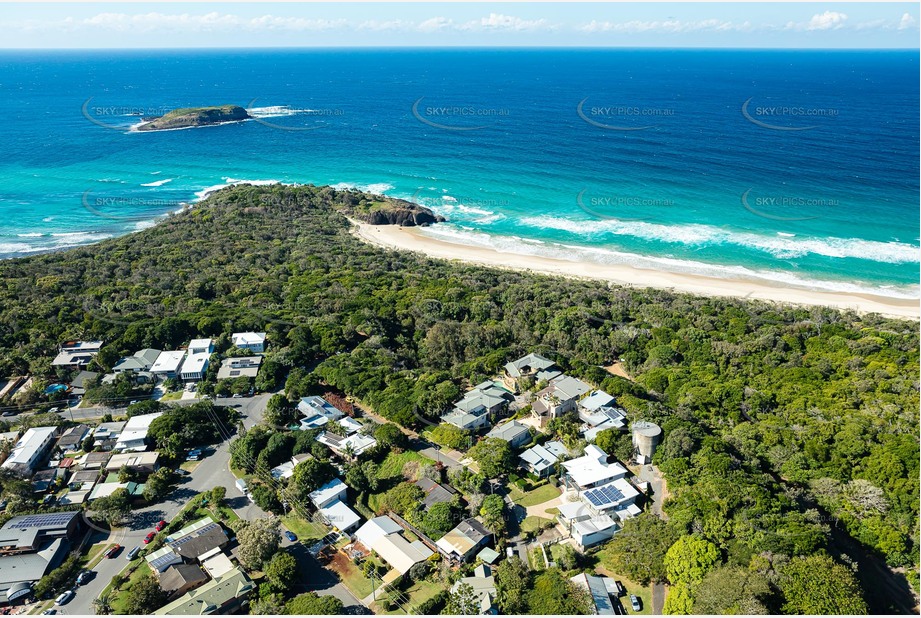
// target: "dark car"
[[10, 413], [290, 536], [621, 591], [84, 577], [635, 603], [161, 525], [113, 551], [150, 537]]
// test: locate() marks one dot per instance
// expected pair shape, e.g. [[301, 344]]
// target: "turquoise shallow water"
[[642, 157]]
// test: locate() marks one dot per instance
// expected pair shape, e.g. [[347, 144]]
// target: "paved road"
[[213, 471]]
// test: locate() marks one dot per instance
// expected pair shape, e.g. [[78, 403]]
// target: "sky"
[[421, 24]]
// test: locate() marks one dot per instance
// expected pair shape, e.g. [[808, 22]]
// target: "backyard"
[[417, 593], [305, 530], [542, 494]]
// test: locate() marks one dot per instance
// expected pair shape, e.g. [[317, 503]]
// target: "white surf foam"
[[157, 183]]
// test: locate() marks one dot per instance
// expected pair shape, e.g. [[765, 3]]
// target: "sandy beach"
[[415, 239]]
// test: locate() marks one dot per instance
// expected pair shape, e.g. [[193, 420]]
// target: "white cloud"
[[669, 26], [906, 22], [829, 20], [497, 21], [434, 24]]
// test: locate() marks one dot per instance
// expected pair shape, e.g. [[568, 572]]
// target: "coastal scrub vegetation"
[[790, 433]]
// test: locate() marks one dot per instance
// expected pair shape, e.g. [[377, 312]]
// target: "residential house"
[[216, 563], [140, 361], [76, 354], [106, 435], [178, 579], [513, 432], [591, 470], [483, 585], [330, 500], [195, 366], [349, 425], [254, 342], [162, 559], [46, 479], [197, 539], [479, 406], [598, 411], [72, 438], [94, 461], [83, 480], [286, 470], [541, 459], [596, 517], [435, 493], [558, 398], [532, 366], [134, 434], [108, 488], [601, 590], [385, 536], [81, 382], [168, 363], [222, 595], [30, 450], [317, 412], [350, 446], [465, 540], [201, 346], [143, 462], [239, 367]]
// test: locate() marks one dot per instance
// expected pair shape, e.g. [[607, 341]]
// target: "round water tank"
[[646, 437]]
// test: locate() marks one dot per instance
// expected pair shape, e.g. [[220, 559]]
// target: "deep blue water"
[[651, 170]]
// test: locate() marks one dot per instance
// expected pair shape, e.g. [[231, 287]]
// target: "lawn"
[[418, 593], [532, 523], [542, 494], [305, 530], [393, 464], [536, 559], [174, 396], [119, 598]]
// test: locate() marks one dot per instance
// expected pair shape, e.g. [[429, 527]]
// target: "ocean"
[[798, 167]]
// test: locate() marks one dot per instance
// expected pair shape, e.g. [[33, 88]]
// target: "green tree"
[[818, 585], [259, 541], [731, 589], [158, 484], [513, 580], [309, 604], [463, 601], [389, 436], [218, 493], [281, 571], [402, 499], [113, 508], [638, 549], [689, 559], [309, 476], [279, 412], [494, 456], [554, 594], [438, 520], [145, 596], [449, 436], [493, 512]]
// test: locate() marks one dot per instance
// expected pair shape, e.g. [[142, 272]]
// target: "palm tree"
[[102, 606]]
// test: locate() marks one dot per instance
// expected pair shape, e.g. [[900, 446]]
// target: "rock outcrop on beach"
[[196, 117], [390, 211]]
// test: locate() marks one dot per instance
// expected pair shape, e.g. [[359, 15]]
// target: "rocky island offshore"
[[196, 117]]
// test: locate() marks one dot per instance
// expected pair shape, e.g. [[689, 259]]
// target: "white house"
[[201, 346], [317, 412], [254, 342], [330, 500], [141, 360], [133, 436], [591, 470], [384, 536], [76, 354], [168, 363], [239, 366], [598, 411], [356, 444], [373, 529], [195, 366], [30, 449]]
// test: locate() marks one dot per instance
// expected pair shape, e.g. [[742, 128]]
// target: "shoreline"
[[411, 239]]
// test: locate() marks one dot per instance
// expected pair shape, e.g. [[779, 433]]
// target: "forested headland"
[[791, 434]]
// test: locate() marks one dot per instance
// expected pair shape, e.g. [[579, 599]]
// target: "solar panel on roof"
[[51, 519], [163, 560]]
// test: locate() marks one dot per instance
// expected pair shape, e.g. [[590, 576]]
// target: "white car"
[[64, 597]]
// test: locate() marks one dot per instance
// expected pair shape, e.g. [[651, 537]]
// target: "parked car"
[[635, 603], [150, 537], [49, 612], [236, 396], [84, 577], [161, 525], [132, 402], [53, 410], [113, 551], [290, 536], [10, 413], [194, 455], [64, 597], [131, 555], [181, 472]]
